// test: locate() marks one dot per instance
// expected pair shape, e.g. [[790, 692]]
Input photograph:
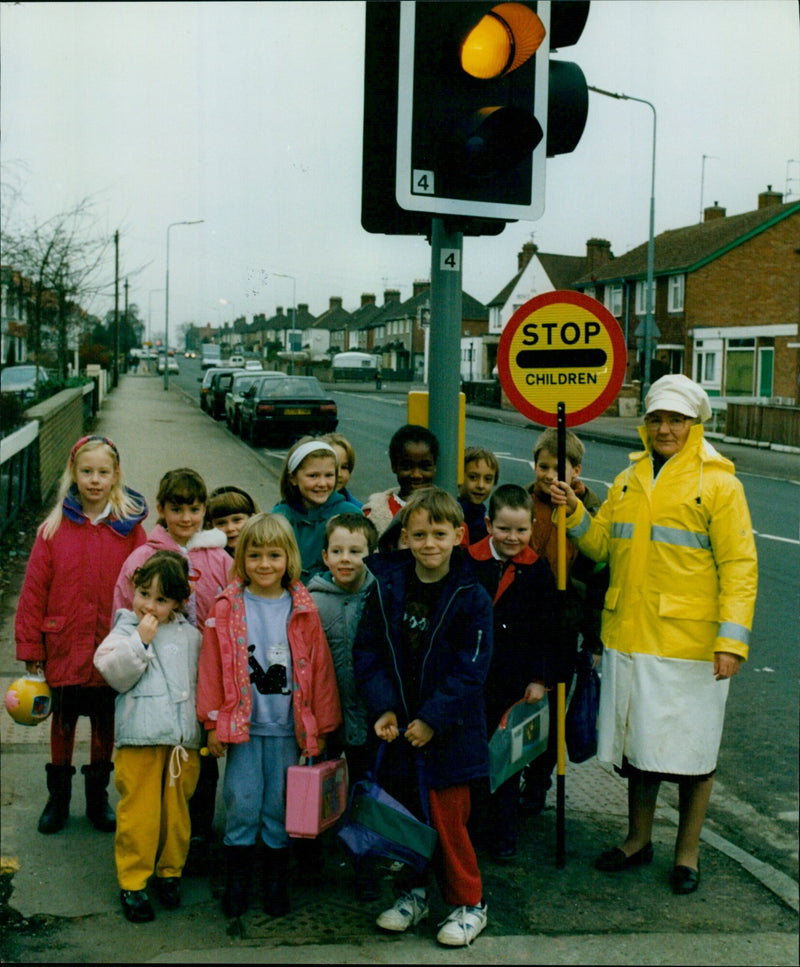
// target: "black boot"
[[201, 814], [276, 881], [100, 813], [59, 785], [238, 879]]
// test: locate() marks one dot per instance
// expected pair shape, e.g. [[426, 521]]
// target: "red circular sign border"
[[604, 400]]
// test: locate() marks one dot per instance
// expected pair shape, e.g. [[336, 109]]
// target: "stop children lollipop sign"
[[561, 347]]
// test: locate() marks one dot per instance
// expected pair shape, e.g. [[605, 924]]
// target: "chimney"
[[391, 297], [367, 299], [528, 250], [769, 198], [598, 252], [335, 302], [302, 307], [712, 212], [279, 311], [420, 285]]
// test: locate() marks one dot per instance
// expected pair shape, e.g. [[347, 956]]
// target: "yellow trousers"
[[153, 825]]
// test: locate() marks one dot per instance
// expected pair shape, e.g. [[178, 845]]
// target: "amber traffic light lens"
[[501, 41]]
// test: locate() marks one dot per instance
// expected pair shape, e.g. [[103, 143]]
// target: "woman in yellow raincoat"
[[676, 531]]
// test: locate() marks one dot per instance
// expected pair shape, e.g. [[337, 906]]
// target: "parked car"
[[233, 398], [237, 360], [21, 380], [172, 364], [253, 365], [288, 407], [205, 384], [190, 354], [221, 382]]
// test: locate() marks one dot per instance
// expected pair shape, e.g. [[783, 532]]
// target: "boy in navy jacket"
[[421, 655], [523, 593]]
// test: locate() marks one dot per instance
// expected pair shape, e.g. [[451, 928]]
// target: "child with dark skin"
[[413, 452]]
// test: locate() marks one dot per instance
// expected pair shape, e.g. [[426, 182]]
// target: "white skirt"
[[661, 714]]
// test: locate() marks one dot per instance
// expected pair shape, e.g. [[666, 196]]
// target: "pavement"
[[59, 897]]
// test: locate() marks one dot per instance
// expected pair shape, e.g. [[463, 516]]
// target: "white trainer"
[[408, 910], [463, 925]]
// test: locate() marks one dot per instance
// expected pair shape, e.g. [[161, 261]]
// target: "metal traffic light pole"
[[444, 382]]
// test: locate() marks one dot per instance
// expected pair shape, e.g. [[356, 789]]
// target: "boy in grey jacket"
[[339, 595], [150, 657]]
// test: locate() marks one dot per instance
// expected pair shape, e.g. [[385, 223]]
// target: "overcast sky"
[[248, 115]]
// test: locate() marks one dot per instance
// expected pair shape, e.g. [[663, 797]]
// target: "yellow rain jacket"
[[683, 578]]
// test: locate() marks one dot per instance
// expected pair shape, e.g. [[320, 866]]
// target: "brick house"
[[399, 330], [726, 304], [537, 272], [329, 331]]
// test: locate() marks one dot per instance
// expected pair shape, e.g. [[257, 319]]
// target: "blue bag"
[[378, 825], [580, 727]]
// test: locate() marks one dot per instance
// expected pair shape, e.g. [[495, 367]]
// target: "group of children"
[[312, 631]]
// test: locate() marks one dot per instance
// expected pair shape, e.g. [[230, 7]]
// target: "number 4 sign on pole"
[[561, 361]]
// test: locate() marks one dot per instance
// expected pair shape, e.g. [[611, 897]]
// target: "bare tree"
[[64, 257]]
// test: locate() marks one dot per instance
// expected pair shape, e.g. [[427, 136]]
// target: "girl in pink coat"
[[266, 693], [181, 504], [65, 612]]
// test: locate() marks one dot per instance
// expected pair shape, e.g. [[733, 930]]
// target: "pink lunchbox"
[[316, 796]]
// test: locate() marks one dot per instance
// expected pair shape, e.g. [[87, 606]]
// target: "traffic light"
[[568, 93], [472, 108], [456, 103], [380, 212]]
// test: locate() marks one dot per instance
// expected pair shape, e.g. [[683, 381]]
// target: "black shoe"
[[238, 879], [276, 881], [368, 887], [168, 891], [136, 906], [198, 860], [683, 879], [504, 852], [614, 860]]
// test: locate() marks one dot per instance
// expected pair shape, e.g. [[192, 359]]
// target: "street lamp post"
[[196, 221], [149, 324], [281, 275], [650, 330]]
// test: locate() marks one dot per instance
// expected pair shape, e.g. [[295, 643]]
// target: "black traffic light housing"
[[567, 92], [471, 149], [472, 107], [380, 213]]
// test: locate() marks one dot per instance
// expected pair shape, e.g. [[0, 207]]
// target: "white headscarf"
[[676, 393]]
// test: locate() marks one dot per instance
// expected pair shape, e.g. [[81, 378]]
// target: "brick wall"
[[60, 425]]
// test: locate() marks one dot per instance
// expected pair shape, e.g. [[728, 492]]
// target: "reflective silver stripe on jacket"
[[729, 629]]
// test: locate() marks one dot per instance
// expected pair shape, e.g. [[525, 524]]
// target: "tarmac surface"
[[59, 900]]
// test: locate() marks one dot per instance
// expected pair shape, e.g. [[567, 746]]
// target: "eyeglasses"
[[673, 422]]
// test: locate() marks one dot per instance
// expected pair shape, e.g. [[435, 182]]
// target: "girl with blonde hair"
[[65, 611], [266, 694]]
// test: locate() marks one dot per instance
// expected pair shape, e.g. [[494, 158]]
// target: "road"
[[755, 801]]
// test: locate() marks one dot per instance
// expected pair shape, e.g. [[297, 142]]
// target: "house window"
[[641, 301], [707, 364], [612, 299], [675, 293], [740, 367]]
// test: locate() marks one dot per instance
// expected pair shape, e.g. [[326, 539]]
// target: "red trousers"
[[454, 862]]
